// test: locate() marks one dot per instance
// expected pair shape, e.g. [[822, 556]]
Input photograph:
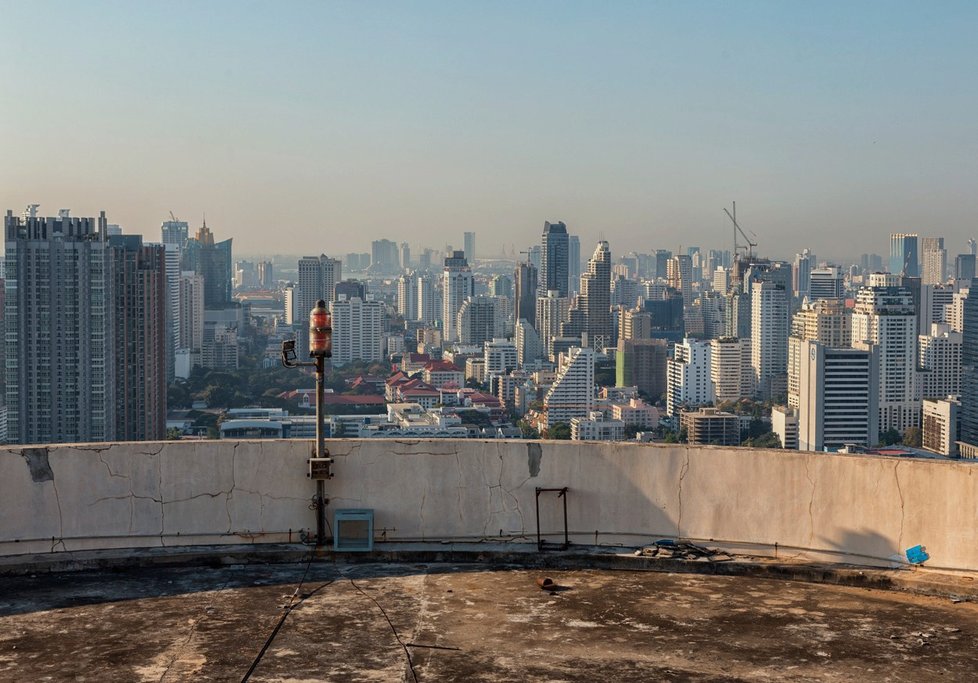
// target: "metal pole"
[[320, 453]]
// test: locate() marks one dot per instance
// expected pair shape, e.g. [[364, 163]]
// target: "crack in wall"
[[682, 475], [811, 503], [896, 477]]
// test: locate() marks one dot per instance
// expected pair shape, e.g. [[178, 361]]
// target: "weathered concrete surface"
[[459, 624], [859, 509]]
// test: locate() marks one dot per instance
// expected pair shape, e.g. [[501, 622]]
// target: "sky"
[[315, 127]]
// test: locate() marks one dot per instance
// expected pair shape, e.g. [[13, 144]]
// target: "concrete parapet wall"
[[861, 509]]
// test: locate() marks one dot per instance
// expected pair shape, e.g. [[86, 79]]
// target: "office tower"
[[662, 257], [554, 259], [668, 319], [213, 261], [535, 256], [964, 267], [407, 296], [689, 380], [871, 263], [769, 338], [572, 393], [85, 319], [351, 289], [591, 314], [939, 361], [457, 285], [477, 320], [405, 255], [826, 283], [529, 346], [573, 263], [826, 321], [679, 273], [933, 261], [172, 256], [624, 291], [266, 275], [469, 246], [190, 323], [705, 319], [837, 398], [730, 369], [969, 372], [429, 305], [551, 312], [500, 356], [318, 276], [525, 294], [384, 257], [903, 254], [736, 313], [801, 280], [884, 319], [245, 275], [357, 331], [643, 363], [175, 232], [721, 280], [501, 285]]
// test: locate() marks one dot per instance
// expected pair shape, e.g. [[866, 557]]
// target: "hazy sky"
[[316, 127]]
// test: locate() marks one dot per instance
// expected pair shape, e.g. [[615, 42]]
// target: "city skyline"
[[636, 124]]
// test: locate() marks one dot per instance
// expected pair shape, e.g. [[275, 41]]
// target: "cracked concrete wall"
[[861, 509]]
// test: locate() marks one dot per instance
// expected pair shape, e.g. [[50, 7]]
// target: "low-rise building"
[[636, 413], [711, 427], [784, 423], [940, 425], [596, 427]]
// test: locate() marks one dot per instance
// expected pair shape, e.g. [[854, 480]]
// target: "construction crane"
[[172, 217], [749, 249]]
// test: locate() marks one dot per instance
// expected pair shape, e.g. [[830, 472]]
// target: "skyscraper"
[[478, 320], [551, 313], [212, 260], [526, 292], [969, 374], [572, 393], [769, 338], [933, 261], [885, 321], [357, 331], [318, 276], [175, 232], [385, 257], [592, 314], [826, 283], [457, 285], [554, 258], [573, 263], [85, 325], [903, 254], [429, 306], [469, 246], [690, 381], [837, 398], [826, 321], [679, 273], [407, 296]]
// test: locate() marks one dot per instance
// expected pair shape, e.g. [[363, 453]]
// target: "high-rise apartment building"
[[689, 377], [173, 258], [85, 320], [730, 369], [525, 295], [969, 371], [500, 356], [457, 286], [769, 338], [357, 331], [407, 296], [826, 321], [964, 267], [903, 254], [469, 246], [679, 273], [803, 267], [429, 301], [572, 393], [933, 261], [318, 276], [190, 323], [554, 261], [885, 319], [175, 232], [837, 398], [940, 362], [551, 312], [478, 320], [384, 257], [529, 346], [405, 255], [590, 318], [212, 260], [266, 275]]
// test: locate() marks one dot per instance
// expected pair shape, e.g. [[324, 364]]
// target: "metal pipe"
[[320, 451]]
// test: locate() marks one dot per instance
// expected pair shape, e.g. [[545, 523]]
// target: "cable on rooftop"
[[407, 653]]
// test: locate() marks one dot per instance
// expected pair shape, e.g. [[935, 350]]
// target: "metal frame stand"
[[546, 545]]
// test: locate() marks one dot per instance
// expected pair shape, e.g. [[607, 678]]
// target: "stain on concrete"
[[534, 456], [37, 462]]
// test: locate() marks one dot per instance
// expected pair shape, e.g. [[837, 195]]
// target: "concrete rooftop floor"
[[469, 622]]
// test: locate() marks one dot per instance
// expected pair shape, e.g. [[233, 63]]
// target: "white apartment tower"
[[407, 296], [838, 398], [769, 338], [730, 369], [552, 311], [885, 318], [357, 331], [429, 305], [457, 286], [572, 393], [689, 381], [940, 362], [318, 276]]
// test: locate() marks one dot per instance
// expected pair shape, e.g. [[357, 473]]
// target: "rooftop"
[[440, 622]]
